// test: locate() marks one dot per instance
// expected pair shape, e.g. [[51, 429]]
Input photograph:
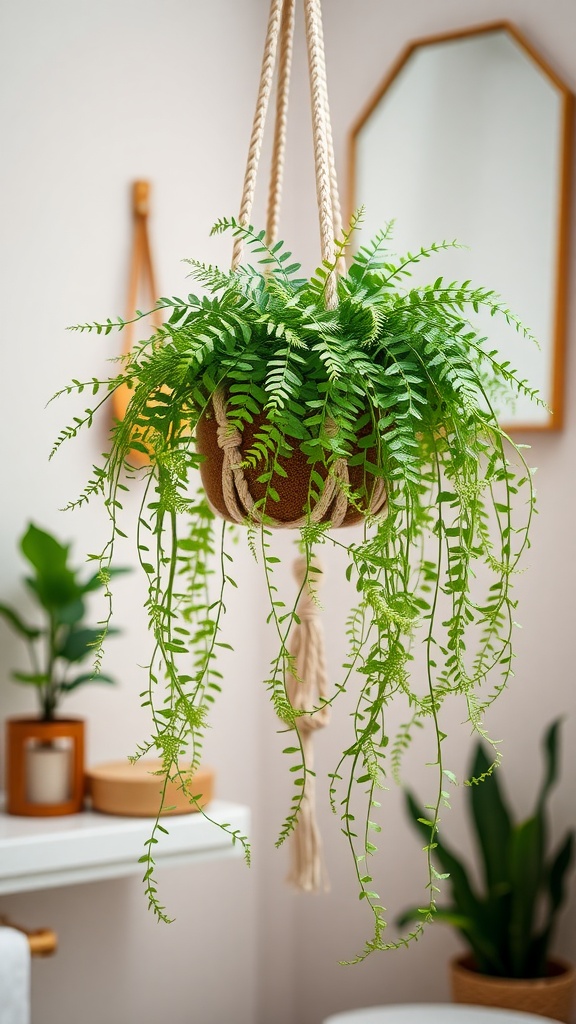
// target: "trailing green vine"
[[395, 380]]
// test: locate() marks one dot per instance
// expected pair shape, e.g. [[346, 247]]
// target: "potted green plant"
[[509, 926], [379, 409], [44, 775]]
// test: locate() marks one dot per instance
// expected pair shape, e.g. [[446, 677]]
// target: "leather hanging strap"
[[141, 280]]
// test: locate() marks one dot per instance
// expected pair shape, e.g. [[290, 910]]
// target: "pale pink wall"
[[93, 96], [83, 111]]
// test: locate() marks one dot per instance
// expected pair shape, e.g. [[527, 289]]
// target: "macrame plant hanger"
[[307, 685], [333, 501], [141, 275]]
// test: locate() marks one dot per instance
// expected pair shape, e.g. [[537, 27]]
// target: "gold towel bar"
[[42, 941]]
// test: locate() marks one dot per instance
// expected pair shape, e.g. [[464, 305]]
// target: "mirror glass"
[[467, 140]]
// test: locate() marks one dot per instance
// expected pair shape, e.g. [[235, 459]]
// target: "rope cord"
[[280, 124], [279, 37], [258, 124], [334, 191], [307, 688], [318, 94]]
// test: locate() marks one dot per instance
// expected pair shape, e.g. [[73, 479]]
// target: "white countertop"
[[429, 1013], [40, 853]]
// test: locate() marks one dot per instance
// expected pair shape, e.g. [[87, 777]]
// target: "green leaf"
[[54, 584], [86, 677], [79, 643], [13, 619], [464, 898], [556, 886], [550, 746], [31, 678], [95, 582], [526, 869], [442, 915], [556, 874], [69, 614], [492, 821]]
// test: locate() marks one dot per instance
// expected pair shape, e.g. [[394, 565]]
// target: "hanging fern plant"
[[316, 403], [395, 384]]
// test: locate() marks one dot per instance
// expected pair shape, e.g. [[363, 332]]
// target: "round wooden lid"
[[134, 790]]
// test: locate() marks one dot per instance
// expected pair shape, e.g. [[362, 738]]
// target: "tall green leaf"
[[556, 890], [550, 746], [13, 619], [492, 822], [468, 905], [526, 869]]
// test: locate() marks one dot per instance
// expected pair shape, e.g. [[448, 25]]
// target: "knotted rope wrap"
[[240, 505], [307, 688]]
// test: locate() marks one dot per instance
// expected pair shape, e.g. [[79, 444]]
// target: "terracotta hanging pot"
[[292, 489], [44, 766], [551, 996]]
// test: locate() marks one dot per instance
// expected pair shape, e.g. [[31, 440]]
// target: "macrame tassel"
[[306, 689]]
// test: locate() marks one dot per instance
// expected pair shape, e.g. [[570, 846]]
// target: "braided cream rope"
[[318, 92], [280, 35], [307, 688], [258, 125], [280, 125], [334, 191]]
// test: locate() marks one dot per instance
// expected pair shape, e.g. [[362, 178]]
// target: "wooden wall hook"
[[140, 197], [141, 276]]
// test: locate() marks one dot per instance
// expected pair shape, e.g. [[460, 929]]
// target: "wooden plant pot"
[[44, 775], [551, 996], [292, 489]]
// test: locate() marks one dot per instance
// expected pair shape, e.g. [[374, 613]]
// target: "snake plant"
[[508, 926]]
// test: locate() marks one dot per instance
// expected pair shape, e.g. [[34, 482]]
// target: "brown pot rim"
[[35, 720], [464, 964]]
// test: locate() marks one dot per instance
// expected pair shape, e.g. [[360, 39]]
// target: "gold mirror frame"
[[560, 288]]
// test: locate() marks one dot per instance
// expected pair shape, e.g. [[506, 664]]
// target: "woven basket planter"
[[550, 997], [292, 489]]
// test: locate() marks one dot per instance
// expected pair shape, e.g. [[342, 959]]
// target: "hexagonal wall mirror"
[[468, 138]]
